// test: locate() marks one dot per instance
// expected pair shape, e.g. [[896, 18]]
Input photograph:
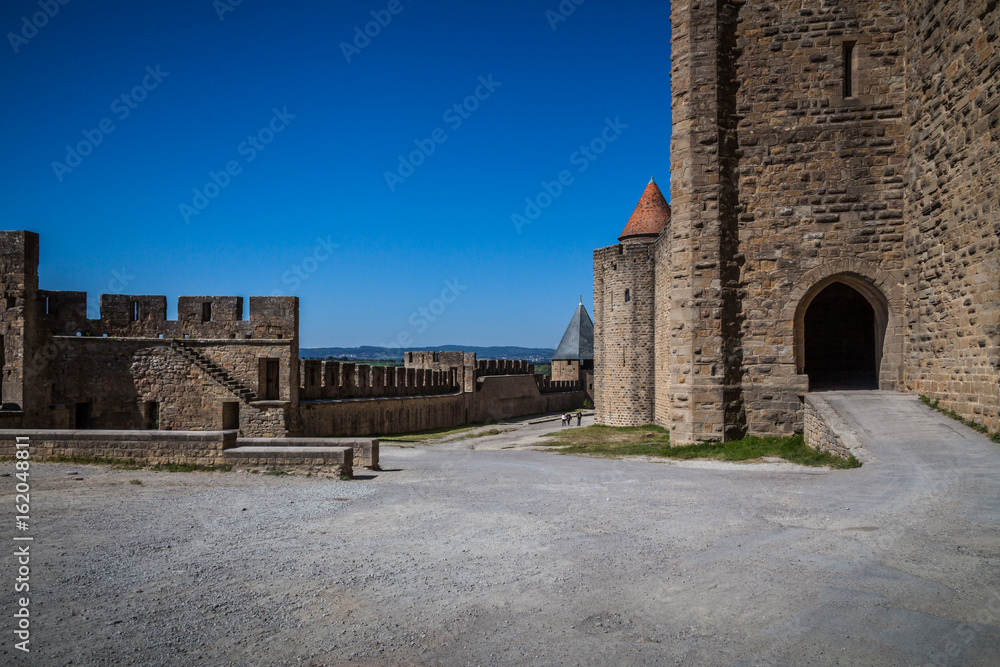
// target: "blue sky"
[[242, 149]]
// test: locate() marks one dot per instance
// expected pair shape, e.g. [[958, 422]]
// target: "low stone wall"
[[147, 447], [825, 430], [365, 449]]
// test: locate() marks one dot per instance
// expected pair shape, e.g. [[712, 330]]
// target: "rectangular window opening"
[[206, 311], [135, 311], [849, 68], [83, 416], [151, 415], [47, 305]]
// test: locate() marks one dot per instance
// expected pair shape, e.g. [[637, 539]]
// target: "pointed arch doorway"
[[843, 329]]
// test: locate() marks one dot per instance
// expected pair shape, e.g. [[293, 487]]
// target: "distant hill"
[[533, 354]]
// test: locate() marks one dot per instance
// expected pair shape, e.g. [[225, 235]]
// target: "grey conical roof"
[[578, 341]]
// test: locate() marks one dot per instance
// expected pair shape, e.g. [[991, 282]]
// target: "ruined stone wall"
[[820, 177], [623, 334], [953, 189]]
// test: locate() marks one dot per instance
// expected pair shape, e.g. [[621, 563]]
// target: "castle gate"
[[842, 340], [840, 330]]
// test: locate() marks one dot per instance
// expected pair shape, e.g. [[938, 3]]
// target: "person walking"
[[579, 418]]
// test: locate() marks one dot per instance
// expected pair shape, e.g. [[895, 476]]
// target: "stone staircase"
[[217, 373]]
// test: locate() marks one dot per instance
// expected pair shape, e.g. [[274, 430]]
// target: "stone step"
[[218, 373]]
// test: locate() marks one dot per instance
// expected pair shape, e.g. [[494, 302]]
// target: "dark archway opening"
[[841, 340]]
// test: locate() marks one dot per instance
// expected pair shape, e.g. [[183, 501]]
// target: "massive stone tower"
[[834, 186]]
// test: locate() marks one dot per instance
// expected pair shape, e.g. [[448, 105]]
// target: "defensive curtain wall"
[[457, 389], [132, 369]]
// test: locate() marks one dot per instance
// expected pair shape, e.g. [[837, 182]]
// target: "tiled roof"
[[650, 216]]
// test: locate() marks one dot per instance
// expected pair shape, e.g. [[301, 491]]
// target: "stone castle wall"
[[848, 141], [119, 377], [952, 195], [463, 363], [59, 367], [565, 370], [498, 397], [820, 176], [662, 377]]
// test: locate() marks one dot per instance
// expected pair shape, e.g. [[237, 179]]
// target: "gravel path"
[[483, 551]]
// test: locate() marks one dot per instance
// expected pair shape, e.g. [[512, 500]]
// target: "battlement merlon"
[[145, 316]]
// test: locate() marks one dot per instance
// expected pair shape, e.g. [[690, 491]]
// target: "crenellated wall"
[[463, 363], [487, 367], [498, 397], [329, 380], [145, 316], [133, 369]]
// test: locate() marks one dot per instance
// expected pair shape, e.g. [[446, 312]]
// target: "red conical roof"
[[650, 216]]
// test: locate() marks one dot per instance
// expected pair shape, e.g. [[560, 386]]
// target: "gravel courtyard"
[[483, 551]]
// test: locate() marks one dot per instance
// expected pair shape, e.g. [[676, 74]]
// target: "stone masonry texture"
[[112, 384], [813, 143]]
